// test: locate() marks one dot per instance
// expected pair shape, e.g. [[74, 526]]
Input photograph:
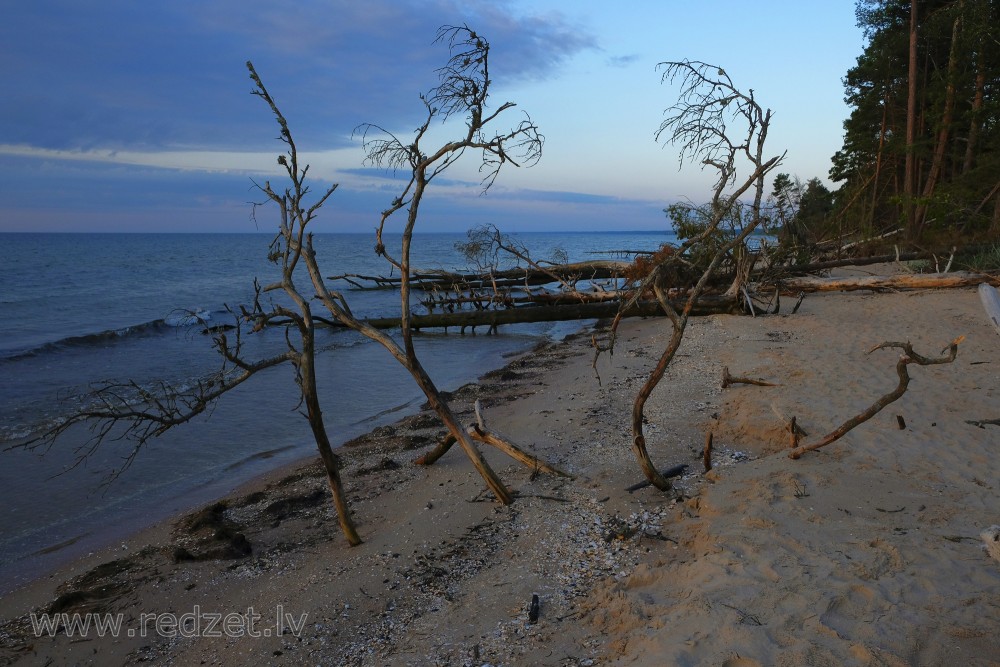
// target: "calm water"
[[80, 309]]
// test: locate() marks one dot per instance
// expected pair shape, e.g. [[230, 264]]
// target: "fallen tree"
[[701, 123], [127, 411], [705, 305], [425, 279], [901, 281]]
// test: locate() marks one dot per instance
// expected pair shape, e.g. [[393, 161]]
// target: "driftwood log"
[[908, 357], [729, 380], [901, 281]]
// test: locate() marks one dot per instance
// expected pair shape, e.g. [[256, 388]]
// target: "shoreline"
[[63, 554], [845, 556]]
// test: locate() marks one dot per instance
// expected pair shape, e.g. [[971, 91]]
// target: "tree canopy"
[[921, 146]]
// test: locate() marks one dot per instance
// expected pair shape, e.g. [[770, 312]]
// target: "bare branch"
[[127, 411], [699, 123], [908, 357]]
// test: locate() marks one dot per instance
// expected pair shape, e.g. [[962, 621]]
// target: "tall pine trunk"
[[910, 175], [941, 145], [977, 105]]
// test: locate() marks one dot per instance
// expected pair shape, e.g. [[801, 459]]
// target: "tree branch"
[[908, 357]]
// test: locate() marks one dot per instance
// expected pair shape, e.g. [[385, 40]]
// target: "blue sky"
[[136, 116]]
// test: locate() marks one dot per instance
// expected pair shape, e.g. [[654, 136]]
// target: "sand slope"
[[866, 552]]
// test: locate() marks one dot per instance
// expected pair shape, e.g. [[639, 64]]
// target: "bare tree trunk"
[[974, 125], [937, 161], [305, 365], [910, 174], [639, 405], [331, 463], [438, 404], [995, 225], [900, 281], [878, 157]]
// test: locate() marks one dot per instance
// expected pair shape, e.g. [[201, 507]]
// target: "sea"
[[79, 310]]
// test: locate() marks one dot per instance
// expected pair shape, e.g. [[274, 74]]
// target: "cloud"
[[150, 76], [566, 197], [623, 61]]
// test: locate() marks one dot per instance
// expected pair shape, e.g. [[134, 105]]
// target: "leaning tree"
[[135, 413], [722, 128], [462, 92]]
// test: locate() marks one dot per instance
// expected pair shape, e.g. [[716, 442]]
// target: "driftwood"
[[481, 301], [728, 380], [813, 267], [908, 357], [902, 281], [479, 432]]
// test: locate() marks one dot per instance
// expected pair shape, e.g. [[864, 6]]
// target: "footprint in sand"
[[881, 558], [740, 662], [852, 610]]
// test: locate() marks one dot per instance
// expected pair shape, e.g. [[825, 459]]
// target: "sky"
[[137, 116]]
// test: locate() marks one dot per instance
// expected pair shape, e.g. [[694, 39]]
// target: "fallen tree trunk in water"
[[579, 311], [428, 279], [901, 281]]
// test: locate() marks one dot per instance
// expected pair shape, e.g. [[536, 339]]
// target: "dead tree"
[[487, 244], [463, 91], [128, 411], [717, 125]]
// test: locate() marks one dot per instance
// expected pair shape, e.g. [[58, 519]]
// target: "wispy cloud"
[[145, 76], [623, 61]]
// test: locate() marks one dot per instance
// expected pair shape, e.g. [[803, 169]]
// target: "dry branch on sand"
[[728, 380], [908, 357]]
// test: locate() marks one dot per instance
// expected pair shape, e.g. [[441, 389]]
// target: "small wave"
[[62, 545], [86, 340], [259, 456], [186, 318], [385, 413], [178, 318]]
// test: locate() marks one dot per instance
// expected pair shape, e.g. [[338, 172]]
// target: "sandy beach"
[[866, 552]]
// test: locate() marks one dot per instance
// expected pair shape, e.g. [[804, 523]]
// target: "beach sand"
[[866, 552]]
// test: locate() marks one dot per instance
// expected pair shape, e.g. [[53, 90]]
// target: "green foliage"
[[956, 149], [799, 213], [985, 260], [692, 222]]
